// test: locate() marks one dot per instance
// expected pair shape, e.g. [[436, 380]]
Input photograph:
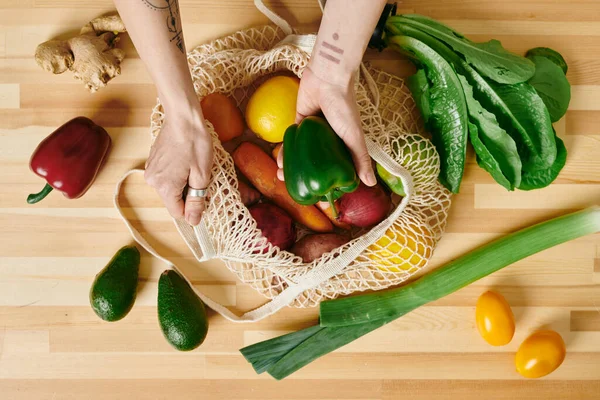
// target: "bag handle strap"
[[203, 237]]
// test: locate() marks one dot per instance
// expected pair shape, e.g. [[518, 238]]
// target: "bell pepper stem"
[[331, 201], [35, 197]]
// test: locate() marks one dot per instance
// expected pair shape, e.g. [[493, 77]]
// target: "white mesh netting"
[[386, 255]]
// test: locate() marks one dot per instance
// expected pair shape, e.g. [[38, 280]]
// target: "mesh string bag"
[[376, 258]]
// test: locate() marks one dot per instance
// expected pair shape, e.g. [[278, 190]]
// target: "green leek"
[[286, 354], [461, 272]]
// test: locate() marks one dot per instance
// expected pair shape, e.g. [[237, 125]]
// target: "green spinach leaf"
[[419, 87], [539, 178], [496, 150], [518, 108], [489, 58], [486, 160], [448, 120], [551, 55], [552, 85], [521, 107]]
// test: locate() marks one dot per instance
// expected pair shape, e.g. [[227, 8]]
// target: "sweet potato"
[[261, 171]]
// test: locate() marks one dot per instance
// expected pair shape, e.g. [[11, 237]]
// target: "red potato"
[[275, 224], [311, 247]]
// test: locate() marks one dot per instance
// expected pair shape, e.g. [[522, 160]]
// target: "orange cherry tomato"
[[495, 320], [540, 354]]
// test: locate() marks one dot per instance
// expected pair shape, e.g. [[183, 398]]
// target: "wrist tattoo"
[[332, 49], [173, 20]]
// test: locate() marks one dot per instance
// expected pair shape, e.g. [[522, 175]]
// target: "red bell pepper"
[[69, 158]]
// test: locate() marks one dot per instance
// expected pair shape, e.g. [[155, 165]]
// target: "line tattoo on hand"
[[173, 20]]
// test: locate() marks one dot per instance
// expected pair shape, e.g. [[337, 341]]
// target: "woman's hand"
[[181, 155], [335, 98]]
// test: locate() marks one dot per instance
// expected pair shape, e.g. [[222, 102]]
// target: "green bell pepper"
[[317, 165]]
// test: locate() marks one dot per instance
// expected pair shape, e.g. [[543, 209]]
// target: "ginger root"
[[91, 56]]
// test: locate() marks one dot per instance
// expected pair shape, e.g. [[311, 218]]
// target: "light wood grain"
[[53, 347]]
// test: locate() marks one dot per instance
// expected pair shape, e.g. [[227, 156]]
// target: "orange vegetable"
[[261, 171], [224, 115], [495, 319], [540, 354], [325, 208], [276, 150]]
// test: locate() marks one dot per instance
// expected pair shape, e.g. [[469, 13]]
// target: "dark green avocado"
[[181, 314], [113, 292]]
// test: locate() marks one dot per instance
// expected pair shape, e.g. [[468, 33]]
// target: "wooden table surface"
[[52, 346]]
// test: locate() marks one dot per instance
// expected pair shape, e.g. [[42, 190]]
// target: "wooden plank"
[[9, 95], [547, 389], [554, 197], [185, 389], [584, 97], [102, 366], [19, 341], [585, 321], [485, 366], [52, 292], [582, 122], [57, 348]]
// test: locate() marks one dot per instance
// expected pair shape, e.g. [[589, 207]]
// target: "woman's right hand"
[[182, 154]]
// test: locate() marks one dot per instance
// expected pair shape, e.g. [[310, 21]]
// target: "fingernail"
[[371, 180], [193, 219]]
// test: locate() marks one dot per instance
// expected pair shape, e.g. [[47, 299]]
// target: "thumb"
[[305, 106], [194, 206], [346, 123]]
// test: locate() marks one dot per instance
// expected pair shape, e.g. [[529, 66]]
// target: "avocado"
[[113, 292], [181, 313]]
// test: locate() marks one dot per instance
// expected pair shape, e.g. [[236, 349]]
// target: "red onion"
[[275, 224], [365, 207]]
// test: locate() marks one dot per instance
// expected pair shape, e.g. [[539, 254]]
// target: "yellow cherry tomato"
[[495, 320], [540, 354]]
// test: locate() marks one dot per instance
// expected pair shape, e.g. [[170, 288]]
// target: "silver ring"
[[197, 192]]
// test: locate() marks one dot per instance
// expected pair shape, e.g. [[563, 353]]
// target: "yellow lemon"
[[272, 108], [402, 249]]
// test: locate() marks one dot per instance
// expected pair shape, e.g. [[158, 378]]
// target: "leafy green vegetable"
[[419, 87], [550, 54], [486, 160], [539, 178], [496, 150], [448, 109], [489, 58], [552, 85], [518, 108]]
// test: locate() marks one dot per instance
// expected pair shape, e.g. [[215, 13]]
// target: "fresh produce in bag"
[[261, 171]]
